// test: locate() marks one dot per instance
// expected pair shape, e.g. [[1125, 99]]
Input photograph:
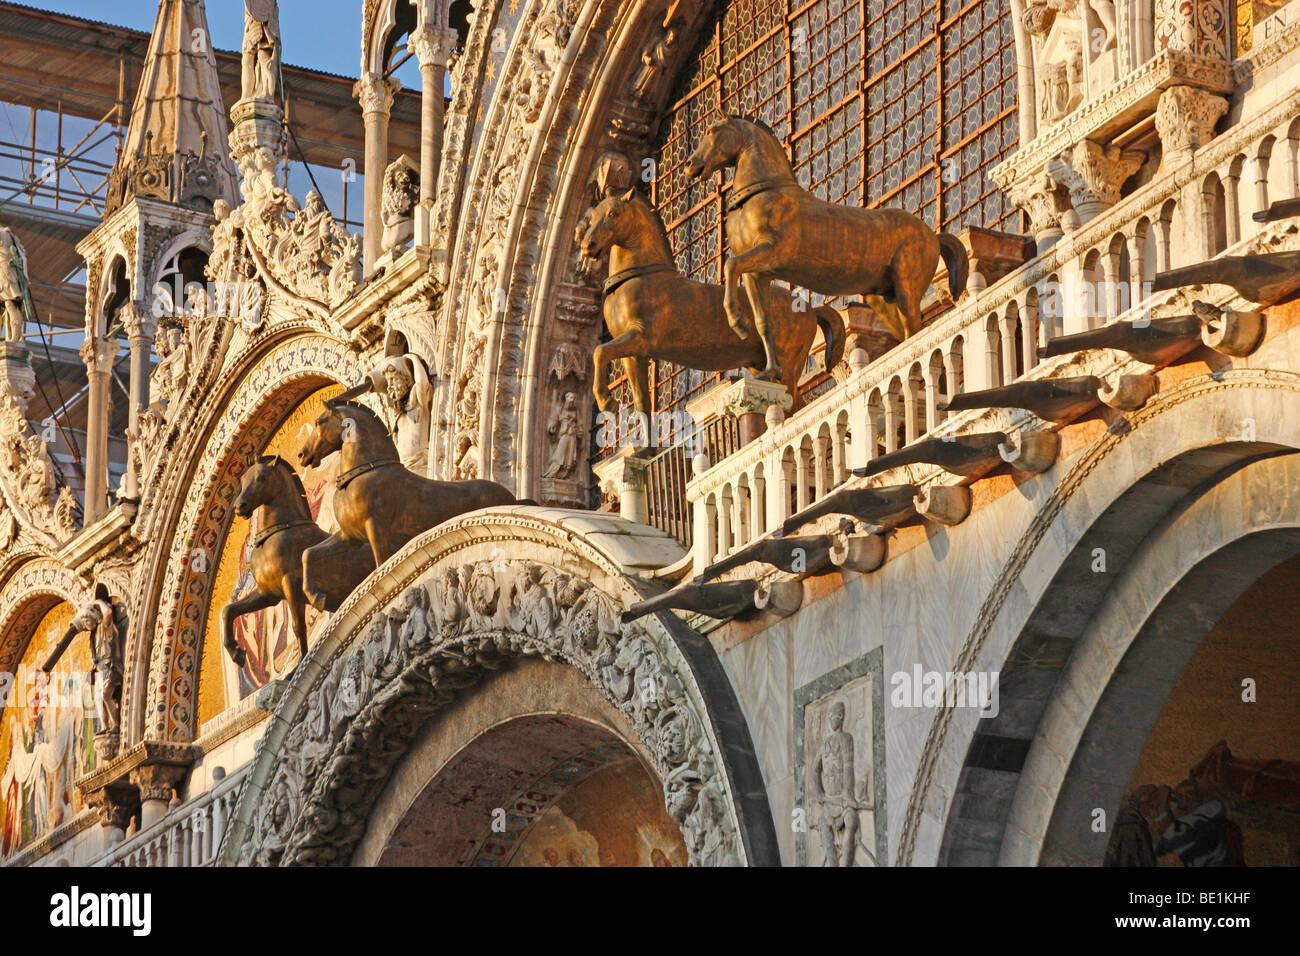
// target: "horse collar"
[[267, 533], [625, 275], [344, 479], [744, 194]]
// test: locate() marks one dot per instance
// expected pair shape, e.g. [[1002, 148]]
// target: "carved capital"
[[1042, 201], [98, 354], [433, 46], [157, 781], [139, 322], [375, 93], [1185, 120], [115, 806], [1094, 175], [749, 396]]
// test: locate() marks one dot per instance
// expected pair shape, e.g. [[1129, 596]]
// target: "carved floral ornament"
[[444, 633]]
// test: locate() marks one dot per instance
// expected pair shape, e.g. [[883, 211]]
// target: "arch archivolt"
[[27, 595], [517, 294], [1083, 755], [451, 610], [1197, 431], [202, 489]]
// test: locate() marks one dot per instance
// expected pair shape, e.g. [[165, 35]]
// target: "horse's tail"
[[832, 327], [954, 257]]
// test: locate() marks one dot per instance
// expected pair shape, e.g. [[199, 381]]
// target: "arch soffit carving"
[[451, 609], [1209, 412]]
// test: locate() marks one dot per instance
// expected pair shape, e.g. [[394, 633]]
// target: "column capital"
[[140, 323], [433, 46], [1094, 174], [98, 354], [375, 93], [1185, 120]]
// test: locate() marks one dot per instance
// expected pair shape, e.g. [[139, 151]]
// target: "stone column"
[[1137, 263], [98, 354], [141, 326], [375, 94], [1232, 205], [433, 47], [1029, 334], [748, 400]]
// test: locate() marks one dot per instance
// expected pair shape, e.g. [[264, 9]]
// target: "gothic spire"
[[175, 145]]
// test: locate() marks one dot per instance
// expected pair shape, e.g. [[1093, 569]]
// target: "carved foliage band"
[[444, 634]]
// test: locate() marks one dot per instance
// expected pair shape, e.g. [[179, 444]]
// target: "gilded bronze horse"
[[272, 494], [376, 499], [778, 230], [651, 311]]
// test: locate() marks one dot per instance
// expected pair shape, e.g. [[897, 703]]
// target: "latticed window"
[[881, 103]]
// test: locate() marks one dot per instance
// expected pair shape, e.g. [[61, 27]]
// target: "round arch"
[[162, 672], [449, 612], [1114, 496], [26, 597], [534, 734]]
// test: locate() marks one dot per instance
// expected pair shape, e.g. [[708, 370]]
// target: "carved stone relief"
[[840, 761], [442, 635]]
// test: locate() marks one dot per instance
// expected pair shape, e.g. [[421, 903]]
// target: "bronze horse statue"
[[377, 500], [778, 230], [285, 531], [652, 311]]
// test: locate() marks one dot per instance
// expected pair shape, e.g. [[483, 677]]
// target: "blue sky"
[[320, 34]]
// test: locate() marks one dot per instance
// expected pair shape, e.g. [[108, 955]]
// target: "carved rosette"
[[444, 634], [1185, 120]]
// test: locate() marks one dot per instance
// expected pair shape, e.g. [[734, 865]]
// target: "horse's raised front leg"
[[761, 258], [757, 288], [293, 593], [257, 601], [335, 547], [627, 344]]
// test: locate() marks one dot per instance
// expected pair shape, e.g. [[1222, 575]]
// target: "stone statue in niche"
[[106, 623], [839, 750], [565, 430], [401, 193], [655, 58], [260, 66]]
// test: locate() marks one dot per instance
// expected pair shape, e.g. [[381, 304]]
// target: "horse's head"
[[607, 224], [720, 148], [260, 484], [324, 436]]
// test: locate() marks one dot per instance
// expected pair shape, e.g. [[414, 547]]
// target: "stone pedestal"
[[16, 376], [257, 144]]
